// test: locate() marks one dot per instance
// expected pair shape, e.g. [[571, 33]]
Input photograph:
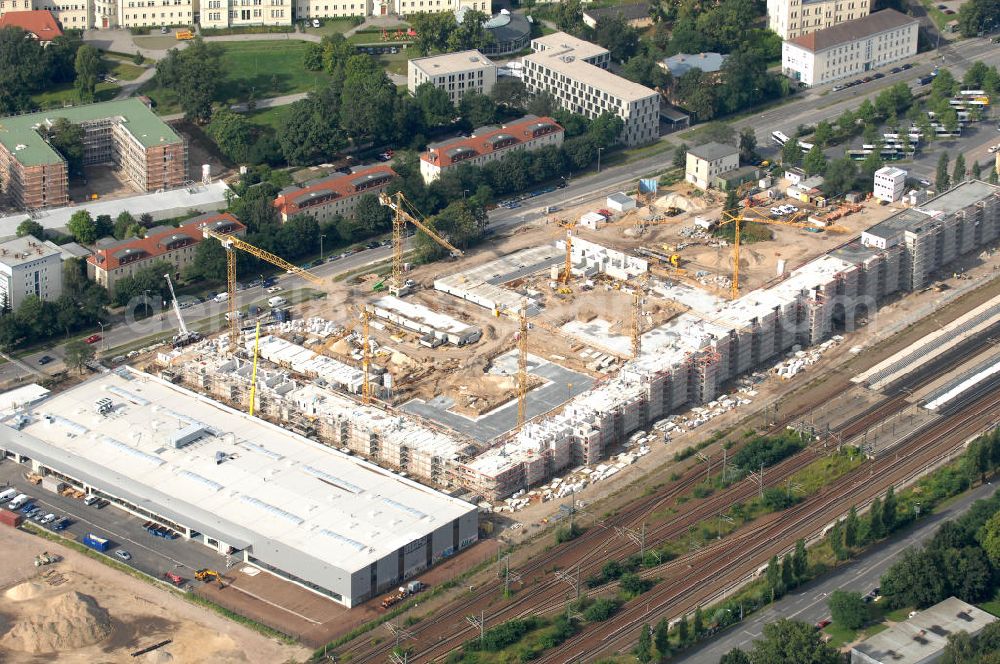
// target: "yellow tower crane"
[[231, 243], [398, 203], [522, 367], [366, 356], [636, 322]]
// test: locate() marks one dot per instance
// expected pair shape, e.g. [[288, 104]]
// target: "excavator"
[[206, 575]]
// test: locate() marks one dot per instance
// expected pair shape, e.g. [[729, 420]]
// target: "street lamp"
[[321, 247], [262, 287], [102, 335], [145, 302], [599, 159]]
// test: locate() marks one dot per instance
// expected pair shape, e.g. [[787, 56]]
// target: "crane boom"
[[399, 221], [231, 243], [177, 307]]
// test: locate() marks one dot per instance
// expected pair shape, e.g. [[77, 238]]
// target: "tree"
[[977, 170], [194, 75], [801, 560], [876, 520], [969, 574], [309, 134], [941, 180], [67, 139], [840, 176], [774, 576], [732, 205], [698, 624], [792, 642], [367, 99], [435, 104], [814, 163], [32, 228], [614, 33], [680, 156], [336, 50], [989, 539], [543, 104], [60, 58], [958, 175], [661, 638], [123, 222], [138, 58], [471, 33], [476, 110], [851, 528], [836, 537], [569, 15], [889, 508], [748, 145], [682, 630], [233, 133], [509, 92], [645, 70], [823, 133], [735, 656], [88, 72], [916, 579], [847, 609], [372, 216], [312, 58], [644, 649], [787, 572], [77, 354], [791, 153], [82, 227], [21, 69]]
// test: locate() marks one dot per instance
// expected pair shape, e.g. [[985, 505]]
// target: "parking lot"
[[152, 555]]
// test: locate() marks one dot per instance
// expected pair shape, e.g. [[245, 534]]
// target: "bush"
[[567, 533], [601, 610], [767, 450], [139, 30], [686, 453], [702, 491], [776, 499], [504, 634]]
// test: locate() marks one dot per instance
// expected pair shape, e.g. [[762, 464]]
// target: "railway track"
[[594, 547], [710, 572]]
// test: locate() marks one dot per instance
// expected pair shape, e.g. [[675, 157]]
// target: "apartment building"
[[488, 144], [71, 14], [126, 134], [851, 48], [338, 194], [40, 25], [115, 259], [455, 73], [28, 267], [709, 161], [144, 13], [794, 18], [230, 13], [574, 71]]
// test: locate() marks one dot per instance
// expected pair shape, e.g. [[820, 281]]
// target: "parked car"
[[895, 70], [274, 289], [48, 518], [32, 512], [878, 75], [823, 623], [92, 339], [122, 554], [45, 359], [164, 30], [926, 183], [101, 504], [906, 66], [61, 524], [316, 23]]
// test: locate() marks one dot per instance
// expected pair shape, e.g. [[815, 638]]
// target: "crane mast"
[[398, 203], [177, 307]]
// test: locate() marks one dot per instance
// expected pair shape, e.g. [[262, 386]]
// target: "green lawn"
[[331, 26], [269, 68], [58, 97], [394, 63], [992, 606], [269, 117], [122, 70]]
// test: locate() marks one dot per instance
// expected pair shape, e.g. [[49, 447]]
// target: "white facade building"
[[575, 73], [851, 48], [708, 161], [455, 73], [794, 18], [28, 267], [890, 183]]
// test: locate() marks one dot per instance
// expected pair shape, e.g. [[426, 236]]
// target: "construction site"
[[493, 372]]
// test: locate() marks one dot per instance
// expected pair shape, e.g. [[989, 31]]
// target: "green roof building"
[[146, 152]]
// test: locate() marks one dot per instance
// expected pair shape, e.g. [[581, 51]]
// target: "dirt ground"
[[202, 150], [81, 611], [102, 180]]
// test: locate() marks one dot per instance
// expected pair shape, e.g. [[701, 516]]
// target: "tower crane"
[[398, 204], [184, 336], [522, 367], [231, 243]]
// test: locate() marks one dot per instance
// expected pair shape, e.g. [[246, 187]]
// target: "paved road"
[[808, 604]]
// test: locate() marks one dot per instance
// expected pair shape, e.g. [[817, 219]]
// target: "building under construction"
[[126, 134]]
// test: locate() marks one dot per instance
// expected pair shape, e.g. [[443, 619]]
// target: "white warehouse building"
[[851, 48], [304, 512]]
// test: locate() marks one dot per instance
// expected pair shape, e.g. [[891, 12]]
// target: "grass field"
[[269, 117], [394, 63], [269, 68], [66, 94], [331, 26], [122, 70]]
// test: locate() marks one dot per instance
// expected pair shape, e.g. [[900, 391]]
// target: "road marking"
[[277, 606]]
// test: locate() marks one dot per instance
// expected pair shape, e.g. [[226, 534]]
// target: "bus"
[[779, 137]]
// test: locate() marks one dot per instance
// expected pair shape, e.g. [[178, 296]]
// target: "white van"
[[7, 494], [19, 501], [276, 301], [90, 500], [221, 297]]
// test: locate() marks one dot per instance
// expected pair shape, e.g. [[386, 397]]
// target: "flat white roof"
[[281, 486], [25, 250], [564, 43], [436, 65], [420, 314], [573, 67]]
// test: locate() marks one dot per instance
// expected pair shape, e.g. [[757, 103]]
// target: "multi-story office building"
[[489, 143], [707, 162], [851, 48], [28, 267], [146, 152], [144, 13], [455, 73], [793, 18], [112, 260], [338, 194], [574, 71]]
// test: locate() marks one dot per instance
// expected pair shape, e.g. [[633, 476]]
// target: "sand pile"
[[64, 622], [25, 591]]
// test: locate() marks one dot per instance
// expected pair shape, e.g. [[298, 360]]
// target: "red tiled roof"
[[162, 239], [489, 139], [39, 23], [293, 200]]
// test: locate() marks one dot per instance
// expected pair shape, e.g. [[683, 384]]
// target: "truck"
[[412, 588], [96, 543], [276, 301], [7, 494], [174, 578], [9, 518], [52, 484]]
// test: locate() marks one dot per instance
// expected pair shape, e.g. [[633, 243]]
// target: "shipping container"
[[52, 484], [96, 543], [9, 518]]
